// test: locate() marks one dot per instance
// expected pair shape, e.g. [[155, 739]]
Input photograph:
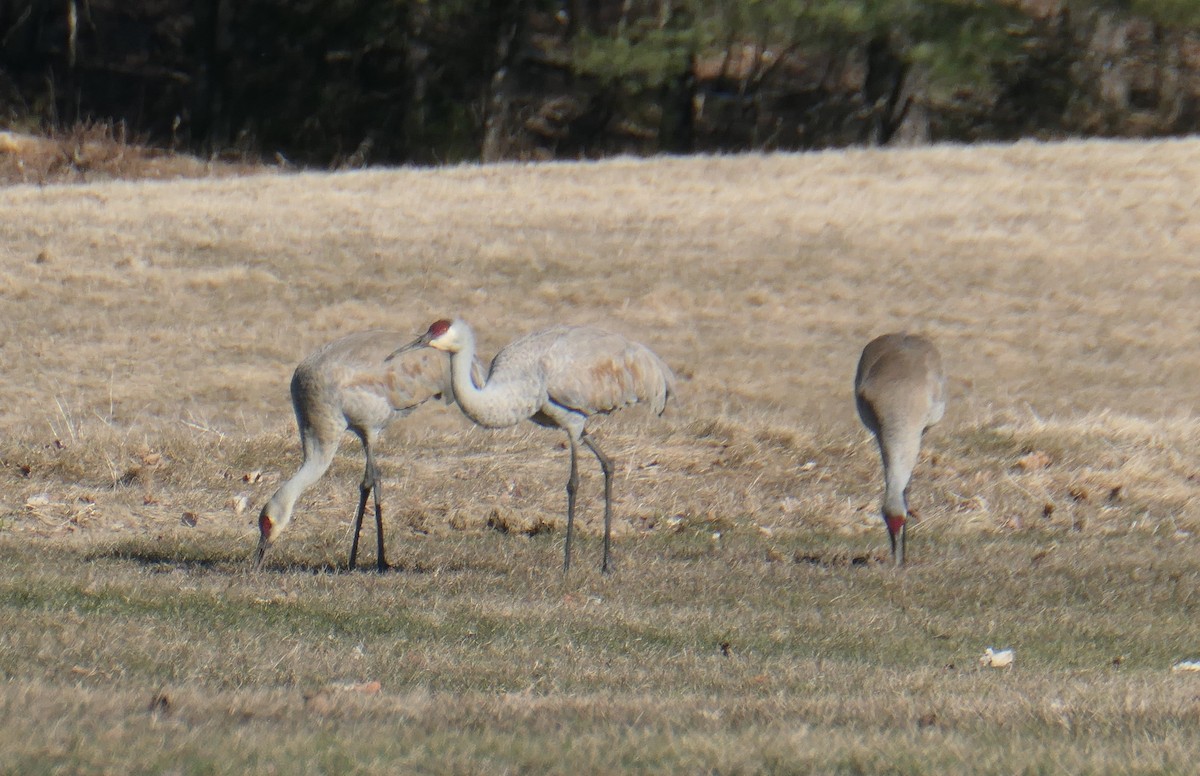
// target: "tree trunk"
[[511, 18], [206, 96]]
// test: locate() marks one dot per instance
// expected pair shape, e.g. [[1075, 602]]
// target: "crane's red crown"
[[438, 328]]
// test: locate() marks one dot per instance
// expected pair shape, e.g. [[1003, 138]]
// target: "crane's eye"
[[439, 328]]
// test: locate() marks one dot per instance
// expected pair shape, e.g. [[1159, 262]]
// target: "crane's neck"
[[316, 462], [491, 404], [900, 454]]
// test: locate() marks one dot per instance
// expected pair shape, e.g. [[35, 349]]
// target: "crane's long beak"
[[896, 530], [419, 342], [261, 553]]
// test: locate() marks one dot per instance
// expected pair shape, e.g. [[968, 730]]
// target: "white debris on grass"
[[994, 658]]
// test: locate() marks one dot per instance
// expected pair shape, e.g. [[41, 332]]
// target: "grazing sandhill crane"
[[900, 391], [345, 384], [558, 378]]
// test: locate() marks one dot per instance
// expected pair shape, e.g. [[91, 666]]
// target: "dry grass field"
[[149, 330]]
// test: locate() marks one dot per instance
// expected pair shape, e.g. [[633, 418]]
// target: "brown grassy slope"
[[146, 338], [149, 330]]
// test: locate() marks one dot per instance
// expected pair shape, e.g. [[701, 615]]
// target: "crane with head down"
[[346, 385], [900, 391]]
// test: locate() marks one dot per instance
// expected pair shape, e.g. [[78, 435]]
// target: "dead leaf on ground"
[[159, 704], [1034, 461]]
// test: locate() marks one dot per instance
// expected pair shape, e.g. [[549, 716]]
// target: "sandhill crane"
[[900, 391], [557, 377], [345, 384]]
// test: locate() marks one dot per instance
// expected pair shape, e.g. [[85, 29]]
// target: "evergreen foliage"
[[346, 82]]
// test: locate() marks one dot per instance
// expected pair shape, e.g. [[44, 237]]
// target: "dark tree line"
[[346, 82]]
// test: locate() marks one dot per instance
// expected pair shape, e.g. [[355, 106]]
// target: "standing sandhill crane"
[[345, 384], [900, 391], [557, 377]]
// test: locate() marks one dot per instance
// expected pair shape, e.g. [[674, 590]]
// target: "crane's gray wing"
[[357, 362], [591, 370]]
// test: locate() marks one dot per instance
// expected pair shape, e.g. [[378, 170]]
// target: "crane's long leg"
[[370, 484], [606, 467], [364, 490], [572, 487], [381, 564]]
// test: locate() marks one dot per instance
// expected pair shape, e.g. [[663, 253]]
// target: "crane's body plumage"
[[900, 391], [346, 385], [578, 370], [556, 377]]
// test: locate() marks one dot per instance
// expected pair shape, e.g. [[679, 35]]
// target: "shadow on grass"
[[162, 556], [407, 568], [171, 555], [842, 558]]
